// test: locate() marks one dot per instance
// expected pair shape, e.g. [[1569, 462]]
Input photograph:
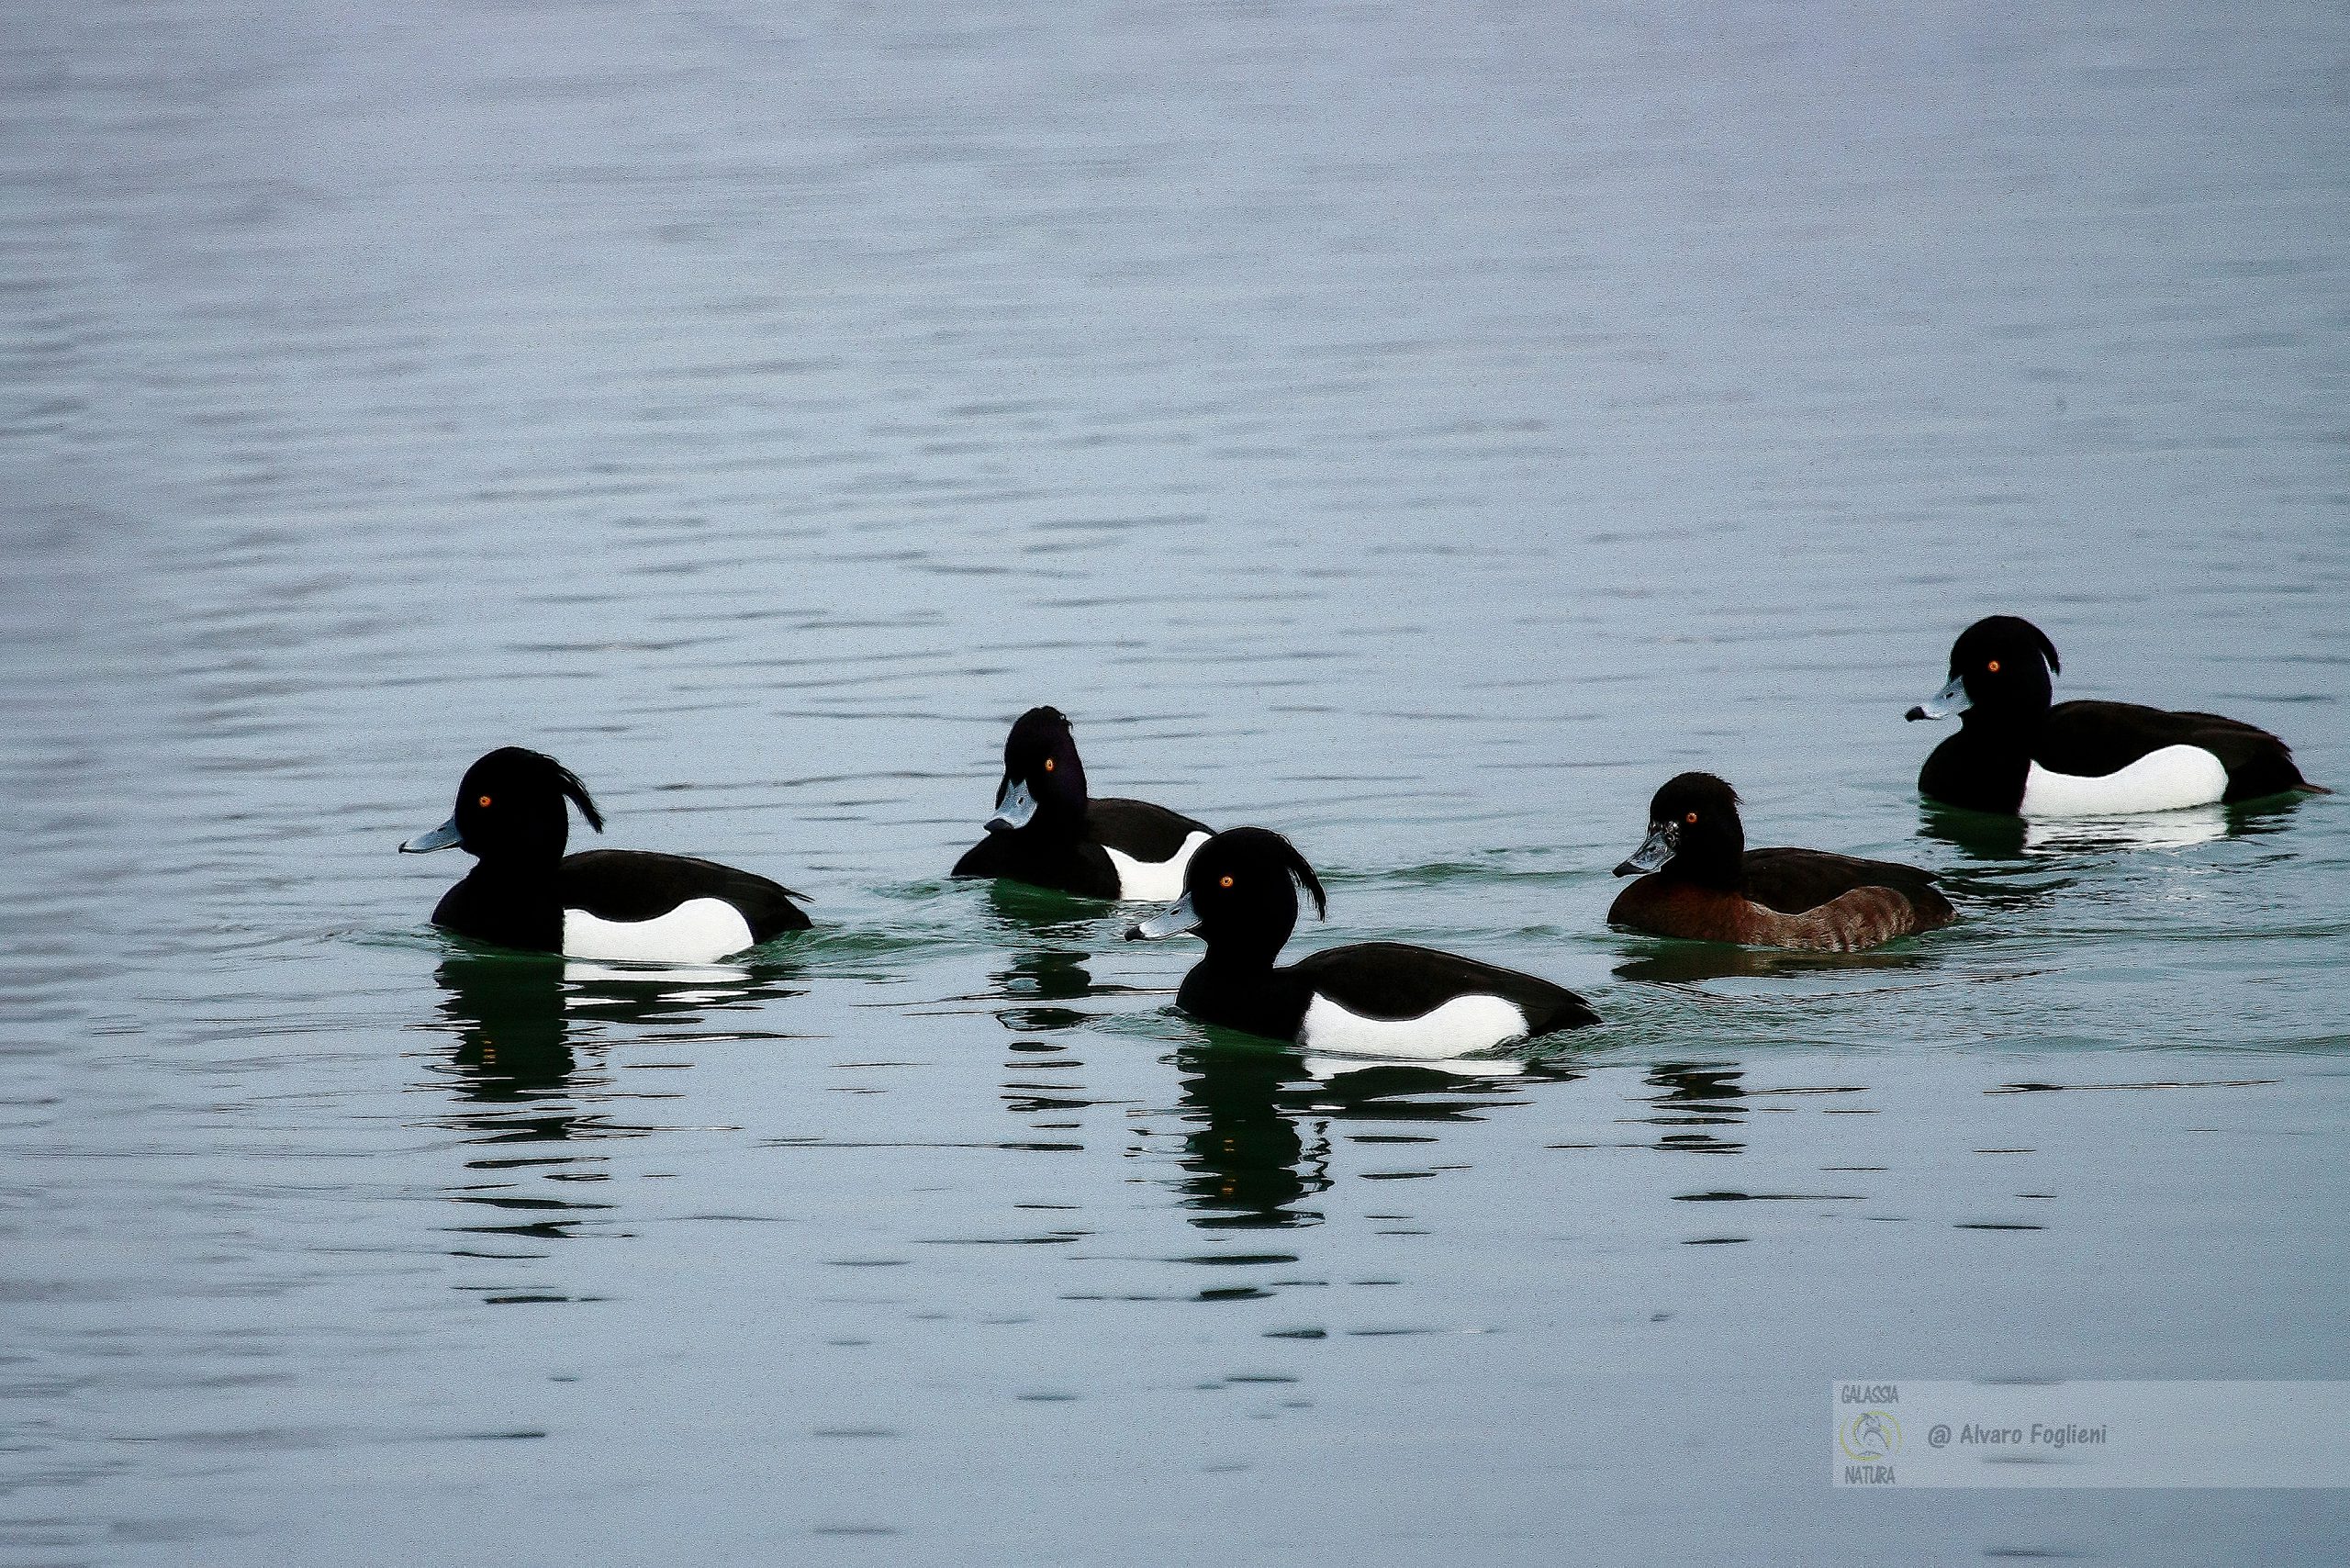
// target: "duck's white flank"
[[1154, 881], [1471, 1023], [2161, 780], [694, 933]]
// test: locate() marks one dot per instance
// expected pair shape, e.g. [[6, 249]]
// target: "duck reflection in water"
[[1687, 963], [1029, 997], [2019, 862], [506, 1013], [1244, 1162], [1029, 988], [1983, 836], [1036, 980], [1691, 1097], [1051, 936], [1022, 913], [523, 1022], [1260, 1118], [519, 1020]]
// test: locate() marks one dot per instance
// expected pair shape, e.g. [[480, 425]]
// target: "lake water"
[[1416, 429]]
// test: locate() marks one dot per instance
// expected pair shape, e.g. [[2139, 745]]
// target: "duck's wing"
[[638, 885], [1138, 829], [1857, 920], [1394, 980], [1793, 881], [2088, 739]]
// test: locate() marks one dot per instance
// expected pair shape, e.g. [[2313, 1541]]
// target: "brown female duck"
[[1704, 884]]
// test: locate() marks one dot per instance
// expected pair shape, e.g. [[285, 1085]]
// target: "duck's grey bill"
[[442, 838], [1172, 921], [1654, 851], [1951, 699], [1015, 810]]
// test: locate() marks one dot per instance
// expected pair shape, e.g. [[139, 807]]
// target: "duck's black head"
[[1044, 782], [1694, 833], [1999, 670], [510, 808], [1240, 895]]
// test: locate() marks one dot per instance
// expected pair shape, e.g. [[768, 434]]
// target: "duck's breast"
[[1667, 907]]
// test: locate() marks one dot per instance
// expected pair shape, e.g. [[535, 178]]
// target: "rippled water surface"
[[1419, 430]]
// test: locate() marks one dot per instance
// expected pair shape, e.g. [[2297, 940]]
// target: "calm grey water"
[[1422, 430]]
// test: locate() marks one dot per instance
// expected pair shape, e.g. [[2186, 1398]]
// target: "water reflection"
[[2256, 819], [1331, 1070], [2160, 830], [1037, 978], [1021, 912], [1983, 836], [520, 1022], [1246, 1163], [2012, 864], [513, 1040], [1690, 1099], [1259, 1119], [1030, 986], [1687, 963]]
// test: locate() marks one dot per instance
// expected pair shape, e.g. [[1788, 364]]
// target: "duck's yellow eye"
[[1224, 882], [1690, 819], [483, 801], [1048, 765], [1992, 669]]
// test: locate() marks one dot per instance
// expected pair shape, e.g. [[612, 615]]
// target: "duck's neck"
[[1044, 832], [510, 900], [1999, 749], [1984, 768], [523, 869], [1241, 989], [1245, 954], [1713, 873], [1059, 820], [2004, 730]]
